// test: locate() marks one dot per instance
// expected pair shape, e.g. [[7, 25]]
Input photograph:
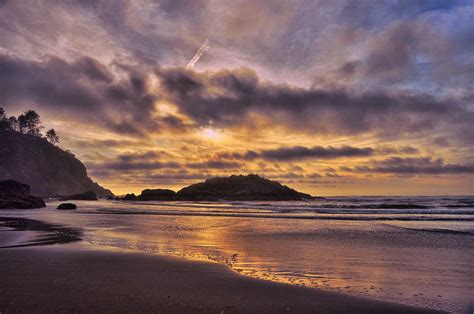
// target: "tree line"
[[28, 123]]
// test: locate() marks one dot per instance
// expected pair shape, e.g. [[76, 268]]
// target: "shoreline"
[[75, 278], [83, 277]]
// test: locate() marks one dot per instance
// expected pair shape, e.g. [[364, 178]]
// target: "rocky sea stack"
[[16, 195], [239, 187]]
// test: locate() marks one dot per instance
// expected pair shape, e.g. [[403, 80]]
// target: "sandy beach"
[[65, 278], [46, 269]]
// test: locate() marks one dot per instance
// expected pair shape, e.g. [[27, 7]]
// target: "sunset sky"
[[329, 97]]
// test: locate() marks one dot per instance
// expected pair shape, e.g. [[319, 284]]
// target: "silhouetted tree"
[[13, 122], [52, 137], [4, 125], [22, 124], [30, 123]]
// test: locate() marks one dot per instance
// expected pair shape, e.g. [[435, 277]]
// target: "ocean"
[[411, 250]]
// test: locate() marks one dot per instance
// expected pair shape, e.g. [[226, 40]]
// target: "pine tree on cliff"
[[13, 123], [30, 123], [52, 137], [4, 125]]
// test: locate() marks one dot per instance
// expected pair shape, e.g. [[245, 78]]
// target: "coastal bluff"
[[46, 168]]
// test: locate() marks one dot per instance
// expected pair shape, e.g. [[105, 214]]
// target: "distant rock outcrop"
[[151, 195], [156, 195], [130, 197], [16, 195], [47, 169], [239, 187]]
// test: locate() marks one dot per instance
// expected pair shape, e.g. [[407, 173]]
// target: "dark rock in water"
[[130, 197], [250, 187], [16, 195], [66, 206], [46, 168], [86, 196], [156, 195]]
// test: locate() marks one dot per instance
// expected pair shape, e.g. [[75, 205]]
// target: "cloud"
[[301, 153], [398, 150], [229, 98], [214, 164], [132, 166], [141, 156], [109, 143], [316, 152], [179, 177], [118, 100], [421, 165]]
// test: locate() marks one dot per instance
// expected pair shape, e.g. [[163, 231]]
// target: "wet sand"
[[77, 278], [45, 269]]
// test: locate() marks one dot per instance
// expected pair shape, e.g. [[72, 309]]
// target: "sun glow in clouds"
[[211, 134]]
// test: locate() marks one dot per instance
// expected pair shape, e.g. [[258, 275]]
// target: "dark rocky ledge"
[[16, 195]]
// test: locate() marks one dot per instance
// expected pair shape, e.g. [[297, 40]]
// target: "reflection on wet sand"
[[385, 260]]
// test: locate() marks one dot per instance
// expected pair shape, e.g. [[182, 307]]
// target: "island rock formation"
[[239, 187], [236, 187]]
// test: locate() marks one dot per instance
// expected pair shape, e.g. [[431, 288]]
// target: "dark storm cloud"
[[297, 153], [317, 152], [398, 150], [230, 98], [224, 98], [84, 87], [422, 165], [52, 82]]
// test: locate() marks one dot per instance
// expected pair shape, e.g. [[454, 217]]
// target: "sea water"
[[411, 250]]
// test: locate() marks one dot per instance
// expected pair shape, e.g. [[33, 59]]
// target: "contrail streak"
[[204, 47]]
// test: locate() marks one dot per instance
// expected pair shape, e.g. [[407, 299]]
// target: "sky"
[[366, 97]]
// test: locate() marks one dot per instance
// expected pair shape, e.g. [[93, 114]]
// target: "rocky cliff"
[[47, 169]]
